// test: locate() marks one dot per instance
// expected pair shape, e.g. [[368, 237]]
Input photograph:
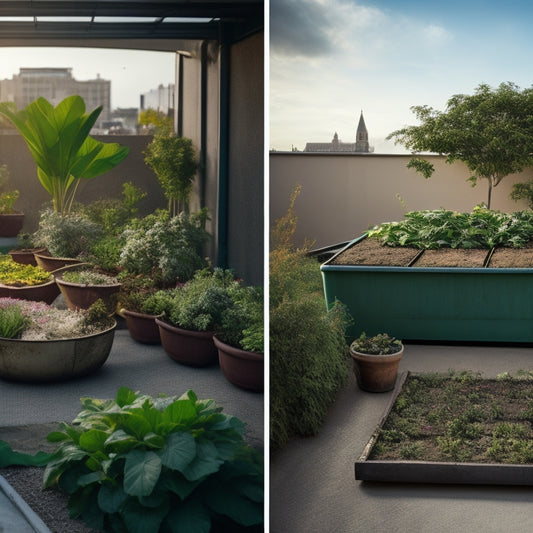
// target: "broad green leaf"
[[206, 462], [154, 441], [125, 396], [8, 457], [180, 411], [88, 479], [57, 436], [120, 442], [179, 451], [176, 483], [136, 423], [93, 440], [111, 498], [140, 519], [190, 517], [141, 472]]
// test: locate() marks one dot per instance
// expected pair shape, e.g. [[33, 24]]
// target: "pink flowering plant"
[[38, 321]]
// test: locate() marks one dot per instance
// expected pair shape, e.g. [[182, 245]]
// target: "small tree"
[[490, 131], [174, 161]]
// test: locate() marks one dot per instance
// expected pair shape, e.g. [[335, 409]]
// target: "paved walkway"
[[29, 411], [313, 488]]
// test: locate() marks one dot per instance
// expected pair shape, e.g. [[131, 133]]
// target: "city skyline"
[[131, 72], [329, 60]]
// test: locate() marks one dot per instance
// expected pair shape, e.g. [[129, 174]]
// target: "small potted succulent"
[[192, 313], [376, 360], [240, 339], [11, 221]]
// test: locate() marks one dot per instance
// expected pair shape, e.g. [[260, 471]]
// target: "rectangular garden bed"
[[492, 433], [473, 304]]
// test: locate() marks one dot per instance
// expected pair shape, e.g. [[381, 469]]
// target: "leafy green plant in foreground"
[[441, 228], [144, 465]]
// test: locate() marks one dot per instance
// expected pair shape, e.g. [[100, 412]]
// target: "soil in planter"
[[452, 257], [512, 257], [460, 418], [370, 252]]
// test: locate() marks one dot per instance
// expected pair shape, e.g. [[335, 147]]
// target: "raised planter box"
[[434, 304], [436, 472]]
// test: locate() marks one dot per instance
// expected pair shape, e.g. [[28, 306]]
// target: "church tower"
[[361, 141]]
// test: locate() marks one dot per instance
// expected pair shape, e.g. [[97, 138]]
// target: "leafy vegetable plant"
[[144, 465], [440, 228]]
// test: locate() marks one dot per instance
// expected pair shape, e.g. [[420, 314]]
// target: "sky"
[[330, 59], [131, 72]]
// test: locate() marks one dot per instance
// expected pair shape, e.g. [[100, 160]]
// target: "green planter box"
[[435, 304]]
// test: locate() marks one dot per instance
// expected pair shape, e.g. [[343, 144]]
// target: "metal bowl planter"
[[54, 360], [11, 224], [26, 256], [45, 292], [141, 326], [242, 368], [192, 348], [50, 264], [434, 303]]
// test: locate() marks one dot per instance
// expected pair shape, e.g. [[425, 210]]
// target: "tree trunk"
[[490, 193]]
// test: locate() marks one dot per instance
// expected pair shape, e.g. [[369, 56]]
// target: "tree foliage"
[[491, 131]]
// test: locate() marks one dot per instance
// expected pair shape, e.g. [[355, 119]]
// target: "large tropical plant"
[[58, 139]]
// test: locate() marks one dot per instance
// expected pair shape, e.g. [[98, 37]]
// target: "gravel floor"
[[49, 505]]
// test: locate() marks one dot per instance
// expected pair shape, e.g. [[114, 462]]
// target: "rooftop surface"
[[313, 487]]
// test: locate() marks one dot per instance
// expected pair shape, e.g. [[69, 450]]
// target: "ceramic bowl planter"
[[240, 367], [376, 371], [83, 295], [11, 224], [50, 264], [192, 348], [54, 360], [46, 292], [26, 256], [141, 326]]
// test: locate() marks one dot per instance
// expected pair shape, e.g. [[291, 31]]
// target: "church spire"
[[361, 141]]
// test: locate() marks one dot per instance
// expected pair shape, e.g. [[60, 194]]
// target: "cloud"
[[435, 34]]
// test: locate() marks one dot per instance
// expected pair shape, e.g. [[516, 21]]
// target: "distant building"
[[55, 84], [160, 99], [361, 144]]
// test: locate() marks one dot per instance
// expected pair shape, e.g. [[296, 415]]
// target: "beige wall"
[[342, 195]]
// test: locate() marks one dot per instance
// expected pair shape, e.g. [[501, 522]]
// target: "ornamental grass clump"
[[18, 275], [147, 465], [38, 321]]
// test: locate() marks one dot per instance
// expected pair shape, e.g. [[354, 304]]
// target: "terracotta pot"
[[79, 296], [240, 367], [376, 373], [142, 327], [11, 224], [46, 292], [54, 360], [192, 348], [50, 264], [26, 256]]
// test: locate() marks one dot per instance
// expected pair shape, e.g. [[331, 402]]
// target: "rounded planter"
[[26, 256], [142, 327], [49, 263], [376, 373], [192, 348], [11, 224], [54, 360], [240, 367], [46, 292]]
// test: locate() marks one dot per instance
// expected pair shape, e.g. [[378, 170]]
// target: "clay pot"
[[11, 224], [192, 348], [49, 263], [240, 367], [26, 256], [142, 327], [46, 292], [376, 373]]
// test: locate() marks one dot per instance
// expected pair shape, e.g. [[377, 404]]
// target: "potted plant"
[[40, 343], [25, 251], [139, 311], [82, 285], [26, 281], [11, 221], [59, 142], [191, 315], [376, 360], [240, 339], [68, 239]]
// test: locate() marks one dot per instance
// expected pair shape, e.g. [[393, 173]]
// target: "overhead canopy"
[[162, 22]]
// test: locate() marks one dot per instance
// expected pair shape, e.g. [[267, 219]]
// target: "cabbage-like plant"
[[148, 465], [58, 139]]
